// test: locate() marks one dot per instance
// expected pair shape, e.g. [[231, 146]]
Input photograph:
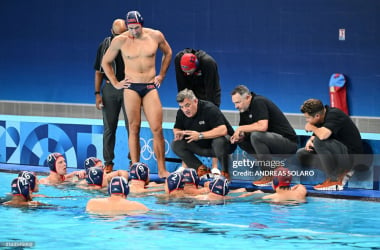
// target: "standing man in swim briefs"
[[198, 71], [111, 100], [263, 129], [138, 47]]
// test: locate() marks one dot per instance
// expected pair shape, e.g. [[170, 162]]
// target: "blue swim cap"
[[220, 185], [139, 171], [134, 17], [95, 176], [90, 162], [52, 159], [175, 181], [21, 186], [190, 176], [31, 177], [118, 185]]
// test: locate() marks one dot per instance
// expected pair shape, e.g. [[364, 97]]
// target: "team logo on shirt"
[[201, 122]]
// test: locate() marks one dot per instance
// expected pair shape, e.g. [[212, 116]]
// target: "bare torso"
[[139, 55]]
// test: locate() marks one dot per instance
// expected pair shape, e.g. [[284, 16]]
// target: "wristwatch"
[[97, 93], [200, 136]]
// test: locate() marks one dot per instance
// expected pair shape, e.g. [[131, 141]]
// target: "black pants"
[[220, 148], [266, 145], [113, 103], [330, 155]]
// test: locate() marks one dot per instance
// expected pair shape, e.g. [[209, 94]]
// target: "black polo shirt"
[[117, 64], [343, 129], [262, 108], [208, 116]]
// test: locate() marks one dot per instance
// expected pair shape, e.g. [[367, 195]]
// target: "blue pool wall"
[[27, 140], [284, 49]]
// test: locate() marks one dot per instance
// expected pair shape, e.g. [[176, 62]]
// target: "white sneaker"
[[180, 169], [347, 176], [215, 171]]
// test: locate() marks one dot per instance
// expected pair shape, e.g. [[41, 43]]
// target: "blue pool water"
[[320, 223]]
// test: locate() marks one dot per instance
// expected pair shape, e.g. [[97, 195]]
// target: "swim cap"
[[90, 162], [139, 171], [31, 177], [118, 185], [95, 176], [220, 185], [134, 17], [190, 176], [52, 159], [175, 181], [21, 186], [188, 62], [282, 178]]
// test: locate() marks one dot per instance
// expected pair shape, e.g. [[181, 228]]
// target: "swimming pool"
[[321, 223]]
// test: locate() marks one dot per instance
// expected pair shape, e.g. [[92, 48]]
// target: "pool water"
[[320, 223]]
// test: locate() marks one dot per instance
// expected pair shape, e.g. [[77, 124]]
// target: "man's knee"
[[318, 143], [220, 145], [257, 136], [156, 130], [301, 153], [178, 146]]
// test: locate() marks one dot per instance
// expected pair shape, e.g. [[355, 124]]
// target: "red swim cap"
[[188, 62]]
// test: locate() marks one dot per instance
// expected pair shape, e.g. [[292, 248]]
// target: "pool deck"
[[347, 193]]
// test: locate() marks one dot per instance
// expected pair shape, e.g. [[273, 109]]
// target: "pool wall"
[[27, 140]]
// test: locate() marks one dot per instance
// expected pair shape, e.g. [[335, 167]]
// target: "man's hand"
[[191, 135], [178, 135], [238, 136], [158, 80], [309, 127]]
